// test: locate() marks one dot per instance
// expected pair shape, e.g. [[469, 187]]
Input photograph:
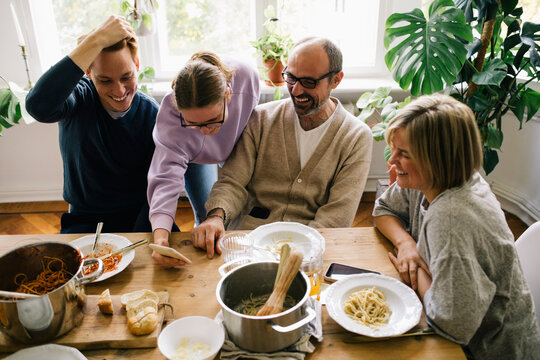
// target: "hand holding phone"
[[337, 272], [170, 252]]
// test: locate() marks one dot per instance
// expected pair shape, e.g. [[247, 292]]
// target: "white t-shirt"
[[307, 141]]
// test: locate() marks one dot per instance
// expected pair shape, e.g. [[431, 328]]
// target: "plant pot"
[[273, 69]]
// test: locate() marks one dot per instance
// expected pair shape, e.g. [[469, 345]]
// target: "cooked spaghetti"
[[252, 305], [275, 248], [54, 275], [109, 264], [368, 307]]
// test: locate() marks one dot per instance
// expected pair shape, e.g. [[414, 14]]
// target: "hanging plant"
[[139, 15]]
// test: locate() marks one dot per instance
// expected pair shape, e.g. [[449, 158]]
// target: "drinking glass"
[[235, 245], [312, 265]]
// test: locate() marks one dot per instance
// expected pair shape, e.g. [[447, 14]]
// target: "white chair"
[[528, 249]]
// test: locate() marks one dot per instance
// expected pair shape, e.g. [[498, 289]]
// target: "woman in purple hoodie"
[[197, 127]]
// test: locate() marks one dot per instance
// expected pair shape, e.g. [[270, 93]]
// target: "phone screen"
[[337, 271]]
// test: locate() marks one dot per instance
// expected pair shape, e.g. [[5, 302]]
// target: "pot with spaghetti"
[[54, 272], [245, 289]]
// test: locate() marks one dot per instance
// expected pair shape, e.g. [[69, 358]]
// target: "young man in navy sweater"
[[105, 128]]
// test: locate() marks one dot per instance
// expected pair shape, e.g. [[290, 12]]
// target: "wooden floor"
[[44, 217]]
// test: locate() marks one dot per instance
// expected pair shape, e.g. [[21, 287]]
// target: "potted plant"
[[10, 107], [476, 49], [146, 75], [274, 48], [377, 109], [140, 14]]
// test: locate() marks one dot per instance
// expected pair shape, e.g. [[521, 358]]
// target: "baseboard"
[[516, 203], [30, 194]]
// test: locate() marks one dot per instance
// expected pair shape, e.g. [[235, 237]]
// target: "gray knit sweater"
[[478, 297]]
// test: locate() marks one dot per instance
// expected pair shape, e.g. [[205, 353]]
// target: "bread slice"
[[135, 307], [105, 302], [138, 295], [143, 322]]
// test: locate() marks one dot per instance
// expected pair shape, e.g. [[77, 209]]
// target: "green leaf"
[[527, 99], [491, 159], [509, 5], [366, 113], [494, 138], [126, 6], [364, 100], [530, 34], [378, 131], [278, 94], [4, 122], [492, 74], [147, 21], [387, 152], [389, 112], [144, 89], [5, 98], [429, 54], [477, 102], [380, 97]]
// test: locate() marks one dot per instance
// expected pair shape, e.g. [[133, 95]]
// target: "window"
[[225, 27]]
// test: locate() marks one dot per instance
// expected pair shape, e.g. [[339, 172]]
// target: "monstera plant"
[[10, 108], [478, 50]]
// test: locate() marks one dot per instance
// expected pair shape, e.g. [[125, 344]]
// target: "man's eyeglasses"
[[307, 82], [210, 125]]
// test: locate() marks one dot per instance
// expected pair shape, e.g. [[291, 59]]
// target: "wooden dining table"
[[192, 291]]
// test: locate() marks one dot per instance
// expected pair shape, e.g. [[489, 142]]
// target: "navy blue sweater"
[[105, 160]]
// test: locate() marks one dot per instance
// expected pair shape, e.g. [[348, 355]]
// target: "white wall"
[[31, 166]]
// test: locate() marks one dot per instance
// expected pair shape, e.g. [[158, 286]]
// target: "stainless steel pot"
[[41, 319], [263, 333]]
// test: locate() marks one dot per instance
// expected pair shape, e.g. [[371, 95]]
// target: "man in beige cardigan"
[[303, 159]]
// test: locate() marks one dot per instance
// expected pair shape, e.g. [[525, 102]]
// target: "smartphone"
[[337, 272]]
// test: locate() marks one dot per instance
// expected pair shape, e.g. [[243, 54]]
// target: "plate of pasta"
[[373, 305], [268, 239], [107, 243]]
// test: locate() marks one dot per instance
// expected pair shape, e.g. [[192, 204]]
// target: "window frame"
[[46, 50]]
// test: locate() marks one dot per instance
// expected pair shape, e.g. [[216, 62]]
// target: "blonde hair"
[[203, 81], [443, 139]]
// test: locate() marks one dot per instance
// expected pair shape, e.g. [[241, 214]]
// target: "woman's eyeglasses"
[[307, 82], [210, 125]]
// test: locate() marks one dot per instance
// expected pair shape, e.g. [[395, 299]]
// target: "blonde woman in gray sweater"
[[459, 252]]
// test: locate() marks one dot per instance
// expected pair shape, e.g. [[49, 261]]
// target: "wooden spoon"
[[285, 252], [274, 304]]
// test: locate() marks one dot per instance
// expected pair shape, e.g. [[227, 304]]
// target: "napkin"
[[296, 351]]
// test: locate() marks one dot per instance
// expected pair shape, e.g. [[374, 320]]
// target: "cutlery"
[[362, 339], [124, 249], [14, 294], [98, 232]]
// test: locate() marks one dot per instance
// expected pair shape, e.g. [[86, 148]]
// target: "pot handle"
[[94, 275], [311, 314], [225, 268]]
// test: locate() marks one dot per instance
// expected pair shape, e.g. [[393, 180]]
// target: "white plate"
[[105, 243], [298, 236], [402, 300], [48, 352]]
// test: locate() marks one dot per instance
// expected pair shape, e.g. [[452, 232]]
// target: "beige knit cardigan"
[[264, 171]]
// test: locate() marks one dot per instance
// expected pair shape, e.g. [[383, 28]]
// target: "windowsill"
[[348, 90]]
